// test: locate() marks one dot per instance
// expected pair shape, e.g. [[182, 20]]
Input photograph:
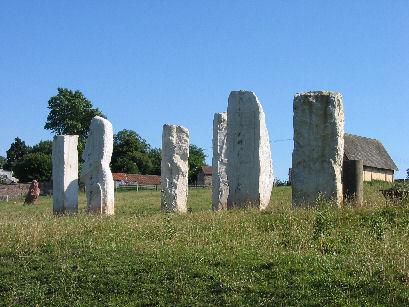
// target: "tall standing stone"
[[249, 169], [220, 184], [65, 174], [318, 147], [174, 168], [96, 174]]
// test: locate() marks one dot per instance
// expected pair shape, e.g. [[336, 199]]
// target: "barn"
[[377, 163], [204, 177]]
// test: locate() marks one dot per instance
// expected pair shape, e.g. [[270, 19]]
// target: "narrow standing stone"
[[318, 147], [249, 168], [96, 174], [353, 182], [220, 188], [65, 174], [174, 168]]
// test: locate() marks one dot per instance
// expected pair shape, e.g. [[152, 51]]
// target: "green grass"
[[140, 256]]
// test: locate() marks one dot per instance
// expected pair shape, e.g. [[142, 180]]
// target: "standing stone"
[[65, 174], [174, 168], [318, 147], [249, 168], [33, 193], [353, 182], [220, 184], [96, 174]]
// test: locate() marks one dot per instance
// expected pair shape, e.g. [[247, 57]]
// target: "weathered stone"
[[249, 168], [174, 168], [96, 174], [65, 174], [33, 193], [220, 184], [318, 147]]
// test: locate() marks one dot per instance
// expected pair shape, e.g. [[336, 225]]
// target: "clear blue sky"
[[146, 63]]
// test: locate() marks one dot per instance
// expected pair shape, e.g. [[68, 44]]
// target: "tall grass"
[[140, 256]]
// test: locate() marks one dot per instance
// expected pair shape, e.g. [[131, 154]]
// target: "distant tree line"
[[71, 113]]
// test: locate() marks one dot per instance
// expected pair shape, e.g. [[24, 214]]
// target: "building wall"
[[13, 190], [373, 173], [20, 190], [208, 180], [203, 179]]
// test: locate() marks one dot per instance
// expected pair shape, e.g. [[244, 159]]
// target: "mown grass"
[[140, 256]]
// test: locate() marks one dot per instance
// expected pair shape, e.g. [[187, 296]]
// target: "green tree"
[[34, 166], [155, 154], [46, 147], [124, 165], [70, 113], [18, 149], [197, 159], [3, 161], [130, 154], [407, 173]]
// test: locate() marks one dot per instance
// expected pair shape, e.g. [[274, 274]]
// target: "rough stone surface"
[[318, 147], [33, 193], [220, 184], [96, 174], [174, 168], [65, 174], [249, 168]]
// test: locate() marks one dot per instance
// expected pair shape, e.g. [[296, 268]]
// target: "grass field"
[[140, 256]]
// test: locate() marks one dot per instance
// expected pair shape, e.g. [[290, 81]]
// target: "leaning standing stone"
[[174, 168], [220, 189], [65, 174], [96, 174], [249, 168], [318, 147]]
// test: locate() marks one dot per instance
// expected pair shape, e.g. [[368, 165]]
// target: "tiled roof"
[[144, 179], [370, 151], [207, 170], [119, 176]]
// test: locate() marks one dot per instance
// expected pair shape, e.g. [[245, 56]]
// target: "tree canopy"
[[18, 149], [3, 161], [131, 153], [45, 147], [155, 154], [29, 163], [197, 159], [70, 113], [32, 166]]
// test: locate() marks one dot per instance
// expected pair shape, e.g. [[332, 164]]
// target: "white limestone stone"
[[96, 174], [65, 174], [174, 168], [220, 184], [318, 147], [249, 168]]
